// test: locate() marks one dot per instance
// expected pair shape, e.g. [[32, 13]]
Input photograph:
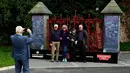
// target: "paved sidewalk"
[[35, 63], [124, 61]]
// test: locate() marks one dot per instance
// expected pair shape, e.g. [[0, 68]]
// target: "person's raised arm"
[[30, 38]]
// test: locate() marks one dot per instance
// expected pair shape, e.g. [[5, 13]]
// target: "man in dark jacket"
[[73, 44], [55, 42], [21, 50], [82, 42]]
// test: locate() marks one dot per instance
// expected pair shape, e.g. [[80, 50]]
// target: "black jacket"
[[72, 38], [85, 37], [55, 36]]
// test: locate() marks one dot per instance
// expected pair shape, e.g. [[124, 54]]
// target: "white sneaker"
[[65, 60]]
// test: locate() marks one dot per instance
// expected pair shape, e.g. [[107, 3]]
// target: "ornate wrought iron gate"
[[94, 28]]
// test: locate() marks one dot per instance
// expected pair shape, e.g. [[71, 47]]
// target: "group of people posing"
[[63, 39], [68, 40]]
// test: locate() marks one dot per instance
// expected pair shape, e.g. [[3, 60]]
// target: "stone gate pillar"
[[112, 14], [40, 14]]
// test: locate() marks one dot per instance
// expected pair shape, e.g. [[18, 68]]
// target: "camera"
[[25, 29]]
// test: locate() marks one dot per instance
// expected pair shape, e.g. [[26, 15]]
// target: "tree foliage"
[[15, 12]]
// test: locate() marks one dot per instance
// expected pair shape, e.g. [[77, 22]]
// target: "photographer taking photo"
[[21, 50]]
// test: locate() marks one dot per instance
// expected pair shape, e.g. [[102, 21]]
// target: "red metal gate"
[[94, 28]]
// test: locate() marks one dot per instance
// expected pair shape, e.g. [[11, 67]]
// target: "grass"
[[5, 56], [125, 46]]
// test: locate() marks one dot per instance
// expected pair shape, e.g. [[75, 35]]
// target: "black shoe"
[[80, 61], [84, 61], [57, 61], [73, 60]]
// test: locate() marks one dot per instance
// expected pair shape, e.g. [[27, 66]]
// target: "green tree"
[[15, 12]]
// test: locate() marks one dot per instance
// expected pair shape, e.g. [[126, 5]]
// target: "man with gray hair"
[[21, 51], [55, 42], [82, 43]]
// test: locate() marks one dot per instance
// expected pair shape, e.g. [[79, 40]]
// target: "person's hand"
[[29, 31], [72, 39], [60, 38], [67, 37], [50, 44], [76, 42]]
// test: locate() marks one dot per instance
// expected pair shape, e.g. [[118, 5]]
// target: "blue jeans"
[[64, 52], [22, 63]]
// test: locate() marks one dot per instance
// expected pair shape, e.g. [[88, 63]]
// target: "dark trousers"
[[22, 63], [72, 49], [82, 51]]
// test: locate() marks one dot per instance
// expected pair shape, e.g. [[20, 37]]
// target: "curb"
[[6, 68], [124, 51], [75, 67], [86, 65], [68, 67]]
